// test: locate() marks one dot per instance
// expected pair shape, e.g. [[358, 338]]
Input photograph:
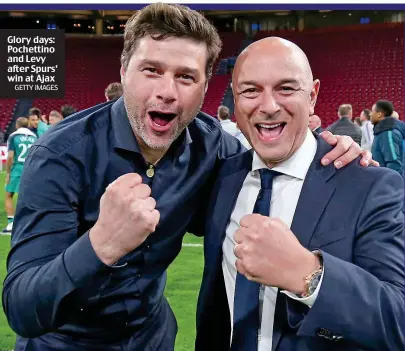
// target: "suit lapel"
[[231, 178], [315, 195]]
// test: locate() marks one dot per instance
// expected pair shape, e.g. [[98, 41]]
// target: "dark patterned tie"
[[247, 316]]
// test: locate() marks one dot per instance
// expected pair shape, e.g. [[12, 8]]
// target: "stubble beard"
[[137, 120]]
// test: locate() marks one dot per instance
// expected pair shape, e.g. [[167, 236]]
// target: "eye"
[[250, 90], [150, 70], [250, 93], [186, 77], [287, 89]]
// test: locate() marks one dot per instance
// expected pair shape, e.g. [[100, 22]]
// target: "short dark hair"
[[384, 106], [344, 110], [67, 110], [161, 20], [114, 91], [223, 112], [357, 121], [34, 111], [367, 113]]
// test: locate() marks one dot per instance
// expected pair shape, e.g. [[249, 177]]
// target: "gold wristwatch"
[[312, 280]]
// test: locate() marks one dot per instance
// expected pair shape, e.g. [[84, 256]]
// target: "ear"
[[314, 96]]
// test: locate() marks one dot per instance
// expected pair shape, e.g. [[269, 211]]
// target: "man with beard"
[[111, 191]]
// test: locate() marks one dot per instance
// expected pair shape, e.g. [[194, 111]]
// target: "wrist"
[[102, 247], [310, 266]]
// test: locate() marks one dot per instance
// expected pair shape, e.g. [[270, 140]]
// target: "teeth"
[[269, 127]]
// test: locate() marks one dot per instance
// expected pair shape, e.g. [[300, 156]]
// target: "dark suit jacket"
[[344, 126], [353, 215]]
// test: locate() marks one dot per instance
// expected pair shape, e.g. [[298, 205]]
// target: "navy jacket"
[[55, 282], [388, 144], [359, 228]]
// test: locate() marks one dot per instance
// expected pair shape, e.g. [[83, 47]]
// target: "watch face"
[[314, 283]]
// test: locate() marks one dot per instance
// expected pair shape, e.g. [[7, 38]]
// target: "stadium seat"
[[355, 64]]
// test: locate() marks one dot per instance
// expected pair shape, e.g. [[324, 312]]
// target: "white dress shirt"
[[229, 126], [285, 194], [367, 131]]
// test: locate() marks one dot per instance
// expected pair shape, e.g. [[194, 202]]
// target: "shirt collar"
[[123, 136], [298, 164]]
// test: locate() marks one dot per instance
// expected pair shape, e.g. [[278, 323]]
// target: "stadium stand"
[[6, 111], [215, 93], [91, 64], [232, 43], [355, 64]]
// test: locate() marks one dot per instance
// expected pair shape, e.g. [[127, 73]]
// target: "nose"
[[269, 105], [166, 89]]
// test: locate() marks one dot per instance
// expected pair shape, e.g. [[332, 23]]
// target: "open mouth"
[[269, 132], [161, 121]]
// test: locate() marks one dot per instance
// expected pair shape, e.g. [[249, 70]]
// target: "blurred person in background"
[[55, 117], [34, 115], [345, 126], [224, 118], [18, 146], [67, 110], [43, 125], [113, 91], [388, 145], [367, 133]]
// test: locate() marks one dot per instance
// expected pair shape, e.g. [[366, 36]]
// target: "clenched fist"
[[268, 252], [127, 217]]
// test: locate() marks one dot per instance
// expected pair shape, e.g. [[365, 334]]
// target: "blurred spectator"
[[226, 123], [345, 126], [42, 125], [55, 117], [114, 91], [67, 110], [388, 147], [366, 130], [357, 121], [34, 115]]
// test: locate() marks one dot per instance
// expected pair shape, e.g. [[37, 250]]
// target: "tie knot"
[[266, 177]]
